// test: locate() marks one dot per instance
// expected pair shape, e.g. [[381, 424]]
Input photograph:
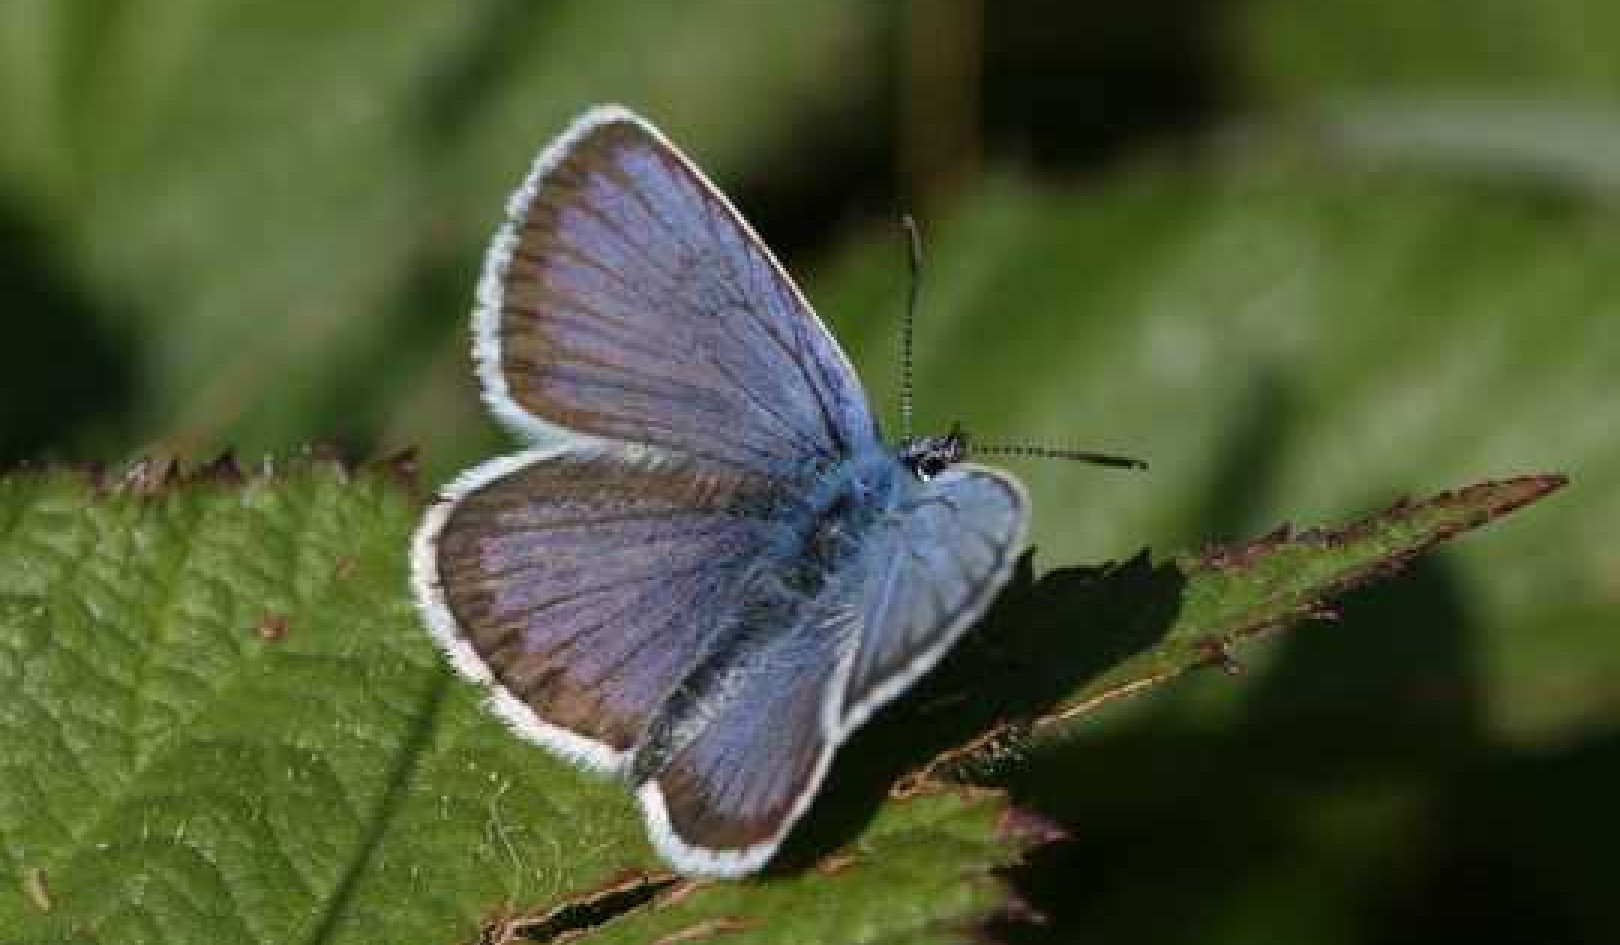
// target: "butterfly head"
[[928, 456]]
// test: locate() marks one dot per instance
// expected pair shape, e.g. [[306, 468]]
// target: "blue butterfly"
[[708, 569]]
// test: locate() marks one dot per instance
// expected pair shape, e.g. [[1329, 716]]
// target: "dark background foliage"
[[1305, 256]]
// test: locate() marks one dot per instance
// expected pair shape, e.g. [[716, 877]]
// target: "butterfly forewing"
[[587, 584], [626, 299]]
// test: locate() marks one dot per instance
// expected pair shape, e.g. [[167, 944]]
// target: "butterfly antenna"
[[1047, 452], [914, 247]]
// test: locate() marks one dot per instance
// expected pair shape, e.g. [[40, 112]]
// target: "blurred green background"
[[1303, 255]]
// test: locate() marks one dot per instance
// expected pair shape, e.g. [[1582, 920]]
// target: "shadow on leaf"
[[1041, 641]]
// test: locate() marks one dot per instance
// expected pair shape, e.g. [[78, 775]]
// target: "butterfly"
[[707, 569]]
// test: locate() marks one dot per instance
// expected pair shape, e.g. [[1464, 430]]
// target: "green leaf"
[[1150, 625], [226, 719], [222, 721], [1231, 594]]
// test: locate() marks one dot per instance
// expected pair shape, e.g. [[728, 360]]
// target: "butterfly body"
[[814, 536], [708, 570], [842, 502]]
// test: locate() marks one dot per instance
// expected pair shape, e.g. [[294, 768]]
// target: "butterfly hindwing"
[[584, 584], [626, 299], [928, 568], [934, 567], [724, 800]]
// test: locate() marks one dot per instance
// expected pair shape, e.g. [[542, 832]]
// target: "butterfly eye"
[[927, 457]]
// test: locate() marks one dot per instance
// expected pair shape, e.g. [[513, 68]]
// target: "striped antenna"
[[1047, 452], [914, 247]]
